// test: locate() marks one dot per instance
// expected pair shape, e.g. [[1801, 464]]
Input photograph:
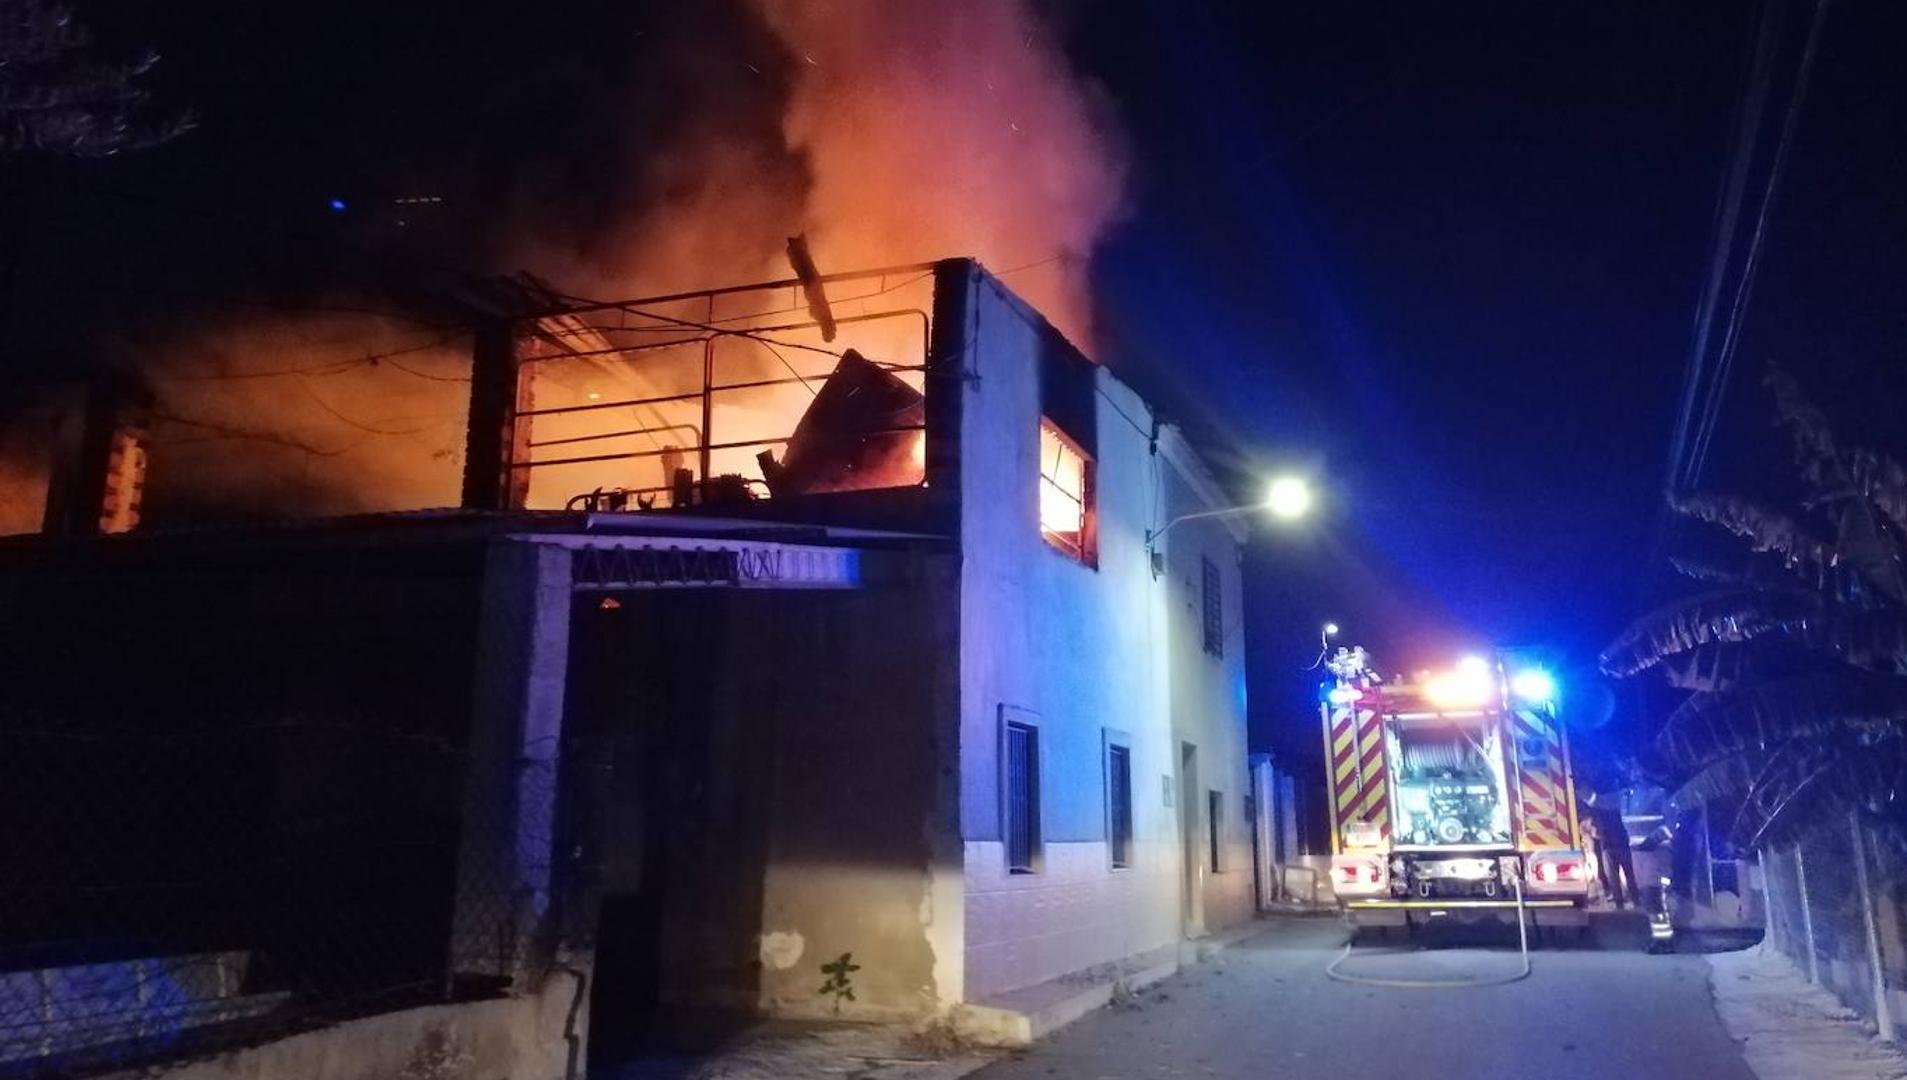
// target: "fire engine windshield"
[[1450, 785]]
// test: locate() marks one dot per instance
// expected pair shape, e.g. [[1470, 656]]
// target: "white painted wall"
[[1207, 692], [1086, 652]]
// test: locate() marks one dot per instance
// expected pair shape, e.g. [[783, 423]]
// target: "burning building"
[[779, 624]]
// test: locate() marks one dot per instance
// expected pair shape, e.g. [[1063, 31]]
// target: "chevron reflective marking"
[[1359, 781], [1372, 801]]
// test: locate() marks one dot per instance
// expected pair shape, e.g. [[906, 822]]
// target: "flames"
[[905, 131], [933, 129], [617, 394], [902, 131]]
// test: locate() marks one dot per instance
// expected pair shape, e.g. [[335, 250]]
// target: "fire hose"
[[1523, 945]]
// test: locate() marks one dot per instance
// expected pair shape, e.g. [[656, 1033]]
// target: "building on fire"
[[800, 647]]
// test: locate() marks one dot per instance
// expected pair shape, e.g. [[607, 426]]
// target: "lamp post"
[[1287, 498]]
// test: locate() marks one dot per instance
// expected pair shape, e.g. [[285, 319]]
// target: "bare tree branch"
[[58, 100]]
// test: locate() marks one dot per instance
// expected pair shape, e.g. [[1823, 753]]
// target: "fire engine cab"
[[1451, 795]]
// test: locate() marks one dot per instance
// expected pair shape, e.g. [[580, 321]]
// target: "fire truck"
[[1452, 796]]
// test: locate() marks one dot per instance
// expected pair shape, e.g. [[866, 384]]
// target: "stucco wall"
[[795, 744], [858, 822], [1208, 692], [1078, 650]]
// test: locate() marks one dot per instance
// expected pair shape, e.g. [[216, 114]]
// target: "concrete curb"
[[1019, 1018], [1791, 1029]]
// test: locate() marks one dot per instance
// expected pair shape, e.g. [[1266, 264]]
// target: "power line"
[[370, 429], [1745, 287], [333, 367], [1706, 383], [408, 370], [233, 431], [1757, 76]]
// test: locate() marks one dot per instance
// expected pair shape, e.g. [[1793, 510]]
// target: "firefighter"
[[1615, 866]]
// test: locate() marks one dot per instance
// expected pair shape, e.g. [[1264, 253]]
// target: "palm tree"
[[1794, 652]]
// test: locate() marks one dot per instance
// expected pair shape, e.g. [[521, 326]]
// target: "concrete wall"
[[1080, 651], [505, 924], [532, 1037], [863, 819]]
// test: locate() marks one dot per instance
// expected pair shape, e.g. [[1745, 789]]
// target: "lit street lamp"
[[1287, 498]]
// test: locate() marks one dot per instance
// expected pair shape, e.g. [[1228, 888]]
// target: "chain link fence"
[[1837, 907], [164, 897]]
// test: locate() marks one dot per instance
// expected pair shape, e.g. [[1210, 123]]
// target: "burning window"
[[1066, 494]]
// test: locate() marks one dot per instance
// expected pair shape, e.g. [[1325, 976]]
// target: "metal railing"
[[621, 337]]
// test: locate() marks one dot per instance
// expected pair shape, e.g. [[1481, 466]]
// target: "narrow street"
[[1266, 1008]]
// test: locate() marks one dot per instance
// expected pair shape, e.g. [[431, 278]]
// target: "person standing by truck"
[[1615, 864]]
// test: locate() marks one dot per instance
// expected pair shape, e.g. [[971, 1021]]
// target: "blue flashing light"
[[338, 206], [1534, 685]]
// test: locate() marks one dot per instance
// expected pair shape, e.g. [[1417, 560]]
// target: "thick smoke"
[[893, 132], [889, 132], [932, 129], [307, 416]]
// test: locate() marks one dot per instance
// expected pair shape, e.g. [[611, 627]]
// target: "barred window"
[[1214, 820], [1119, 805], [1022, 798], [1214, 610]]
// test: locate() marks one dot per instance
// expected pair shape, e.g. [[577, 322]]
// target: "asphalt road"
[[1264, 1008]]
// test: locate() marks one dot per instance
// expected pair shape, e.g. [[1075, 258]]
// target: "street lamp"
[[1325, 634], [1287, 497]]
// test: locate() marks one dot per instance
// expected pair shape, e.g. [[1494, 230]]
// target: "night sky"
[[1452, 263], [1446, 257]]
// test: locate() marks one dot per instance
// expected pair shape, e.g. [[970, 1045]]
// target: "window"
[[1119, 805], [1022, 797], [1214, 609], [1066, 494], [1214, 818]]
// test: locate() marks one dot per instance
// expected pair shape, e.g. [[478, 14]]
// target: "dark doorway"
[[667, 796]]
